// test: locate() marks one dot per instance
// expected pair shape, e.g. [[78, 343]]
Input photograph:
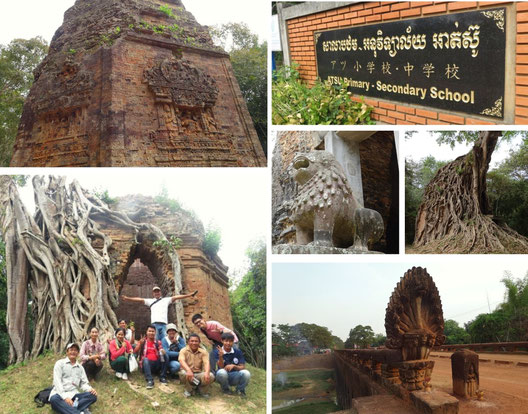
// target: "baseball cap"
[[156, 288], [73, 344]]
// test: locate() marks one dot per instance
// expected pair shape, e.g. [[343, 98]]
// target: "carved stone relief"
[[186, 95], [465, 373], [414, 319]]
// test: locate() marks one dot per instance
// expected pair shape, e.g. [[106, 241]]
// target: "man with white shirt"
[[71, 393], [158, 308]]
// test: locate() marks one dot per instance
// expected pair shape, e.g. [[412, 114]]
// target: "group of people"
[[162, 351]]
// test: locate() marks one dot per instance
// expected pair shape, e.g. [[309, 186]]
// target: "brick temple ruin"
[[138, 265], [135, 83]]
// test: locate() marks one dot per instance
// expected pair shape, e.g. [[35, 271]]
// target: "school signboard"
[[453, 62]]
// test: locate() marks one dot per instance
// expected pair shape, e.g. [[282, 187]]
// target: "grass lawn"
[[19, 385], [316, 390], [316, 382], [311, 408]]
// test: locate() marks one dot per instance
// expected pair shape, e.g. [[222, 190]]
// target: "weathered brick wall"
[[198, 271], [139, 283], [301, 42], [124, 84], [379, 175], [208, 276]]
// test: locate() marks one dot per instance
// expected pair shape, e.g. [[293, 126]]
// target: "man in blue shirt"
[[231, 367], [173, 344]]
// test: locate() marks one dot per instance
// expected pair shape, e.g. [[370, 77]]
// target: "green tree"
[[317, 336], [515, 306], [283, 339], [508, 189], [249, 61], [509, 322], [248, 306], [360, 336], [454, 333], [337, 342], [379, 340], [489, 327], [18, 60], [165, 200], [455, 213]]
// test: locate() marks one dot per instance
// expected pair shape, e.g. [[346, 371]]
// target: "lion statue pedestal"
[[328, 219]]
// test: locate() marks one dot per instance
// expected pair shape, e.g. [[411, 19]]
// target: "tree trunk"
[[455, 215], [53, 253], [17, 271]]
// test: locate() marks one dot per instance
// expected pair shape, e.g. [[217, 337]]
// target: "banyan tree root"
[[53, 254], [455, 216]]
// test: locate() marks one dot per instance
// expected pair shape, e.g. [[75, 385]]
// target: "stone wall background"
[[91, 104]]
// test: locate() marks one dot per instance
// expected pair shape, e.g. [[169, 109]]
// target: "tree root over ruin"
[[59, 258], [455, 216]]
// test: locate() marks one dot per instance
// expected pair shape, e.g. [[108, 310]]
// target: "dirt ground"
[[521, 357], [505, 386]]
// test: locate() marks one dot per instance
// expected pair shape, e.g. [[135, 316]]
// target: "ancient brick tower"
[[135, 83]]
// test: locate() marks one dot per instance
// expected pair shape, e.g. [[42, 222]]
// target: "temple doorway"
[[138, 283]]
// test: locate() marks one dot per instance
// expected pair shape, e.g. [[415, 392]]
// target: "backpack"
[[42, 398]]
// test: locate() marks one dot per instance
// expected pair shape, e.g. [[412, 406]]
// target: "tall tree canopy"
[[455, 215], [360, 336], [249, 59], [18, 60], [317, 336], [285, 337], [248, 306], [509, 322], [454, 333], [508, 189]]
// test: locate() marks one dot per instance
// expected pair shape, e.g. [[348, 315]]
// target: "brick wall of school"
[[302, 50]]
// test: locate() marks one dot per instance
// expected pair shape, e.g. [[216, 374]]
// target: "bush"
[[163, 199], [212, 241], [293, 102]]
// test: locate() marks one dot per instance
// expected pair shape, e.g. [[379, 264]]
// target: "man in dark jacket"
[[173, 343]]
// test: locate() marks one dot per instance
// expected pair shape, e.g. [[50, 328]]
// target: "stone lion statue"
[[325, 212]]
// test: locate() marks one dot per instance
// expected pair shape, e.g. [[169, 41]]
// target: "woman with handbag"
[[120, 351]]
